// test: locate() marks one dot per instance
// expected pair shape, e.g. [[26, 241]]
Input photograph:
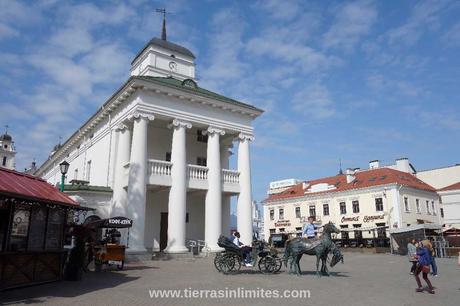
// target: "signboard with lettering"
[[365, 219], [283, 223]]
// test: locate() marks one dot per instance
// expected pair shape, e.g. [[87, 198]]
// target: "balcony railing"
[[159, 172], [159, 167], [230, 176], [197, 172]]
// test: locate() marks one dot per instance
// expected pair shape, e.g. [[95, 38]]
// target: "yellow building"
[[364, 204]]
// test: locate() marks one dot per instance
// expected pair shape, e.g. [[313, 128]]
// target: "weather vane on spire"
[[163, 30]]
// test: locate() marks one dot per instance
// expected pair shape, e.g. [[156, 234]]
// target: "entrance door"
[[163, 231]]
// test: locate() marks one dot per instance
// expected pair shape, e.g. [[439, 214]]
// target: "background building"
[[363, 203]]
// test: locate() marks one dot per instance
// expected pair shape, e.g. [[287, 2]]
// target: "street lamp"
[[64, 166]]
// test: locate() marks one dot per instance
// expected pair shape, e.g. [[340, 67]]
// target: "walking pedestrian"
[[434, 267], [423, 266], [412, 254]]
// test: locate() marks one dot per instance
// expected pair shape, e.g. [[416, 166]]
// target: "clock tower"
[[162, 58]]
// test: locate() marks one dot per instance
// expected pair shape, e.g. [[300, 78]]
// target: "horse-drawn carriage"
[[263, 256]]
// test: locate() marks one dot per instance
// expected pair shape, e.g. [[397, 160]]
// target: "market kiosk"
[[33, 220]]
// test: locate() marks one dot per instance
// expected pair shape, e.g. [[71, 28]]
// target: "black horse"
[[296, 247]]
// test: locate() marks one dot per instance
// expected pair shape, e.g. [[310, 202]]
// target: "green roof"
[[182, 85], [78, 187]]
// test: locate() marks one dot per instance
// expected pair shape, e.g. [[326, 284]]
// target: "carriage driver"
[[246, 249], [309, 229]]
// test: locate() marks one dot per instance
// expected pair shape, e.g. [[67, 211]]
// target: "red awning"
[[28, 187]]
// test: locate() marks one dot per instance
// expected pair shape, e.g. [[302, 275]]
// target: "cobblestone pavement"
[[364, 279]]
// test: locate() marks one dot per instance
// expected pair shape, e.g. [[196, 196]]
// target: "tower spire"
[[163, 30]]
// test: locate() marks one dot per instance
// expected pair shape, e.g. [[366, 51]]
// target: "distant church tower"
[[7, 151]]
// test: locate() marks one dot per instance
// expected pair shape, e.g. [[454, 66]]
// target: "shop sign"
[[373, 218], [283, 223]]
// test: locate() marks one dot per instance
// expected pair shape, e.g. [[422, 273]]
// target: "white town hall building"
[[160, 147]]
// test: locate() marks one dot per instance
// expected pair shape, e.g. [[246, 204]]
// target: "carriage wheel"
[[270, 265], [217, 261], [230, 263]]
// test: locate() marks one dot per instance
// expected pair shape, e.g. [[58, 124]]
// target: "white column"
[[137, 181], [244, 206], [114, 137], [178, 194], [213, 202], [225, 164], [119, 198]]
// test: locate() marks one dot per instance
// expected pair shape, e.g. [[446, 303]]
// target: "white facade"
[[162, 144], [7, 152]]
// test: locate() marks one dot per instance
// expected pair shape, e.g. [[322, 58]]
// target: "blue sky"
[[354, 80]]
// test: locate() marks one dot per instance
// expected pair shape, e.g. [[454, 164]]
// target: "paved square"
[[364, 279]]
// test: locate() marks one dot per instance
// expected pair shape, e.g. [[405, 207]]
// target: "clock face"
[[173, 66]]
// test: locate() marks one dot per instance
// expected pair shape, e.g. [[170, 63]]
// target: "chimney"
[[374, 164], [350, 173], [402, 164]]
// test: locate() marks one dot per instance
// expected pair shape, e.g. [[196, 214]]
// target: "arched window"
[[4, 161]]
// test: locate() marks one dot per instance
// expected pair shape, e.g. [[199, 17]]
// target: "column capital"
[[178, 123], [245, 136], [214, 130], [120, 127], [141, 115]]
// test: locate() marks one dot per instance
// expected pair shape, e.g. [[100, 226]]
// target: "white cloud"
[[353, 21], [314, 101], [280, 10], [424, 16], [224, 62]]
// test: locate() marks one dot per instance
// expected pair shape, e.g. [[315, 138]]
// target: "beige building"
[[363, 203]]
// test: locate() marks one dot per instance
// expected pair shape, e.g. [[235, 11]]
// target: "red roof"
[[451, 187], [21, 185], [363, 179]]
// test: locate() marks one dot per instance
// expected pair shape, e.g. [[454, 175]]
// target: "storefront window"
[[54, 229], [344, 234], [358, 233], [381, 231], [37, 229], [20, 230]]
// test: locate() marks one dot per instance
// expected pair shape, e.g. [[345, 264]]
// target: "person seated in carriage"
[[244, 248]]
